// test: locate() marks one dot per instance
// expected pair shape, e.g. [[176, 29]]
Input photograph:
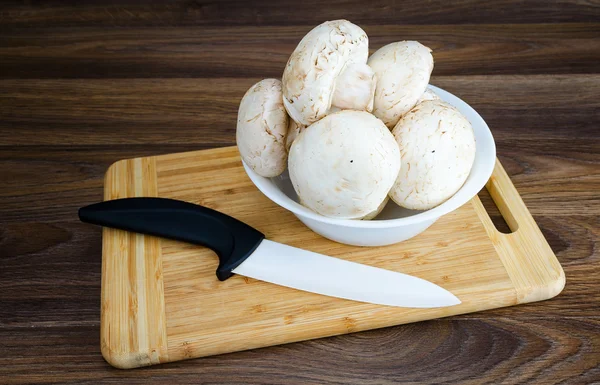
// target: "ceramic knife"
[[244, 250]]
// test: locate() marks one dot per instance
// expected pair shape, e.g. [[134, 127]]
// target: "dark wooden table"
[[83, 85]]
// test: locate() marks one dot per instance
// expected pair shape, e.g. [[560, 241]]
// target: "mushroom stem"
[[355, 88]]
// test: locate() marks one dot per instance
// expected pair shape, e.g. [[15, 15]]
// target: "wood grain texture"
[[133, 324], [241, 52], [81, 89], [307, 13], [203, 111], [492, 350]]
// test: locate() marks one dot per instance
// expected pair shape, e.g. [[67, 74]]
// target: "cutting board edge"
[[525, 253]]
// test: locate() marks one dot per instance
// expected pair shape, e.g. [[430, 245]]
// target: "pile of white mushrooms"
[[329, 120]]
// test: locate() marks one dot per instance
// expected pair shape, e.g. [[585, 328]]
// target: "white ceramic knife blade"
[[316, 273], [244, 250]]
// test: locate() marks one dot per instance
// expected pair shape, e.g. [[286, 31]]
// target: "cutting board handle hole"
[[496, 215]]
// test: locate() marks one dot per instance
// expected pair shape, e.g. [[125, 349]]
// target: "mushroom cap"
[[402, 70], [294, 129], [261, 128], [437, 146], [344, 165], [428, 95], [310, 74], [354, 88]]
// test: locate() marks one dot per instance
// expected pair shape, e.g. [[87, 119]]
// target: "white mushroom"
[[437, 146], [375, 213], [402, 70], [261, 128], [428, 95], [344, 165], [328, 68], [294, 129], [355, 88]]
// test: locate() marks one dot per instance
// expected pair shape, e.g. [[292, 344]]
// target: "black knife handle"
[[231, 239]]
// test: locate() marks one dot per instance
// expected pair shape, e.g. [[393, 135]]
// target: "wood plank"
[[569, 183], [308, 12], [240, 52], [518, 110], [497, 349]]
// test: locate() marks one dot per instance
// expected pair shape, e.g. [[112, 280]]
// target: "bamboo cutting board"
[[162, 302]]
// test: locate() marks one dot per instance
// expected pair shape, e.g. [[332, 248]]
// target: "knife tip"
[[452, 299]]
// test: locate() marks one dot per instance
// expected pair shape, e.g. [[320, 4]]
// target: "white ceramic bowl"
[[394, 224]]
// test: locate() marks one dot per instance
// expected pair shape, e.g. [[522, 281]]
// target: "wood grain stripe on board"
[[133, 319]]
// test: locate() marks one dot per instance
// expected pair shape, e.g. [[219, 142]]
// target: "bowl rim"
[[448, 206]]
